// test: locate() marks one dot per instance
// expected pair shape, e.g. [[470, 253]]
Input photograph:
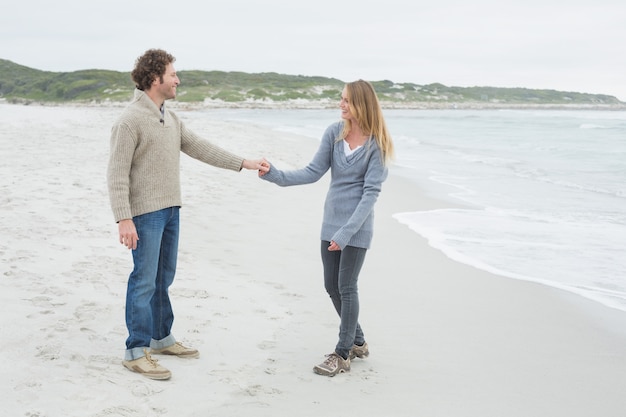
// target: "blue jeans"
[[149, 315], [341, 275]]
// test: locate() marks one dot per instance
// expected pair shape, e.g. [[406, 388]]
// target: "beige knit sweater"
[[143, 174]]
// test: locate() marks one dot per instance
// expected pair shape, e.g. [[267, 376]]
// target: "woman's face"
[[344, 105]]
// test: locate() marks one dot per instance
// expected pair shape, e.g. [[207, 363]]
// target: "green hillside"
[[22, 84]]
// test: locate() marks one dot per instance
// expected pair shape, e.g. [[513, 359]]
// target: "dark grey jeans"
[[341, 276]]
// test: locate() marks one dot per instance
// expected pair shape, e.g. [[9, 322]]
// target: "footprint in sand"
[[267, 344], [190, 293], [144, 389], [49, 352], [101, 363]]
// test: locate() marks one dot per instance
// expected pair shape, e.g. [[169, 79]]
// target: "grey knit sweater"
[[144, 164], [355, 184]]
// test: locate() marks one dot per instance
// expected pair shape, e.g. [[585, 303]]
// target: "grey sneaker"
[[333, 365], [147, 367], [359, 351]]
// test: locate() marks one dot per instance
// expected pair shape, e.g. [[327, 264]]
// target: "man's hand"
[[260, 165], [128, 233]]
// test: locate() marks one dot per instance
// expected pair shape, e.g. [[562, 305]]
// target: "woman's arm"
[[318, 166]]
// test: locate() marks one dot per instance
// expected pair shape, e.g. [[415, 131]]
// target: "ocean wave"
[[592, 126]]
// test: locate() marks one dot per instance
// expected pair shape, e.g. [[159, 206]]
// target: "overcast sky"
[[563, 45]]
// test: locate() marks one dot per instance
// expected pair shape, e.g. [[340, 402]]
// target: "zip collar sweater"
[[143, 172]]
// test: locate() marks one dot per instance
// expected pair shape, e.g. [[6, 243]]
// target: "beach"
[[446, 339]]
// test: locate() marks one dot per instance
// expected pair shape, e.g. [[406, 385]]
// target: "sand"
[[445, 339]]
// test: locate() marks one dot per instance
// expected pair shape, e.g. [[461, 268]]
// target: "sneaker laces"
[[332, 360], [152, 362]]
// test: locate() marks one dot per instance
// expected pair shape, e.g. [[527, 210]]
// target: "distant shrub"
[[228, 96], [257, 94]]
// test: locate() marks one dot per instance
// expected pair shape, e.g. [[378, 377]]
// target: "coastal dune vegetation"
[[21, 84]]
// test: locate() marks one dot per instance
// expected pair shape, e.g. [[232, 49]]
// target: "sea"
[[535, 195]]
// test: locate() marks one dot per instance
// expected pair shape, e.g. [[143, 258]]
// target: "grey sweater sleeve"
[[312, 172]]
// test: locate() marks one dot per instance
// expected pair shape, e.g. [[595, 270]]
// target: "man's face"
[[167, 89]]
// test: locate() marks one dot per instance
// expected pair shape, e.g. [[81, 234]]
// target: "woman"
[[356, 150]]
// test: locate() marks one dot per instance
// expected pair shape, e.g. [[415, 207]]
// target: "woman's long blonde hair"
[[365, 108]]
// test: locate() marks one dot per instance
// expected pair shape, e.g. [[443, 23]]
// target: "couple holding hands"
[[143, 178]]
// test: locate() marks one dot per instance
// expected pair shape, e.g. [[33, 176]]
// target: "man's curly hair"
[[150, 66]]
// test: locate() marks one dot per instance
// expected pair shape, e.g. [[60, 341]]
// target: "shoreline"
[[329, 104], [437, 202]]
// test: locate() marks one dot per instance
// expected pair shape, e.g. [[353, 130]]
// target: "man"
[[144, 188]]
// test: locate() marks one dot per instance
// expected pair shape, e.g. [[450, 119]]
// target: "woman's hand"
[[265, 168], [333, 246]]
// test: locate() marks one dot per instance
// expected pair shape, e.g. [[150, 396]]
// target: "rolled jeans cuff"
[[163, 343]]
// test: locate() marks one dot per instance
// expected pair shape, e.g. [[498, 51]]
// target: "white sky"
[[555, 44]]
